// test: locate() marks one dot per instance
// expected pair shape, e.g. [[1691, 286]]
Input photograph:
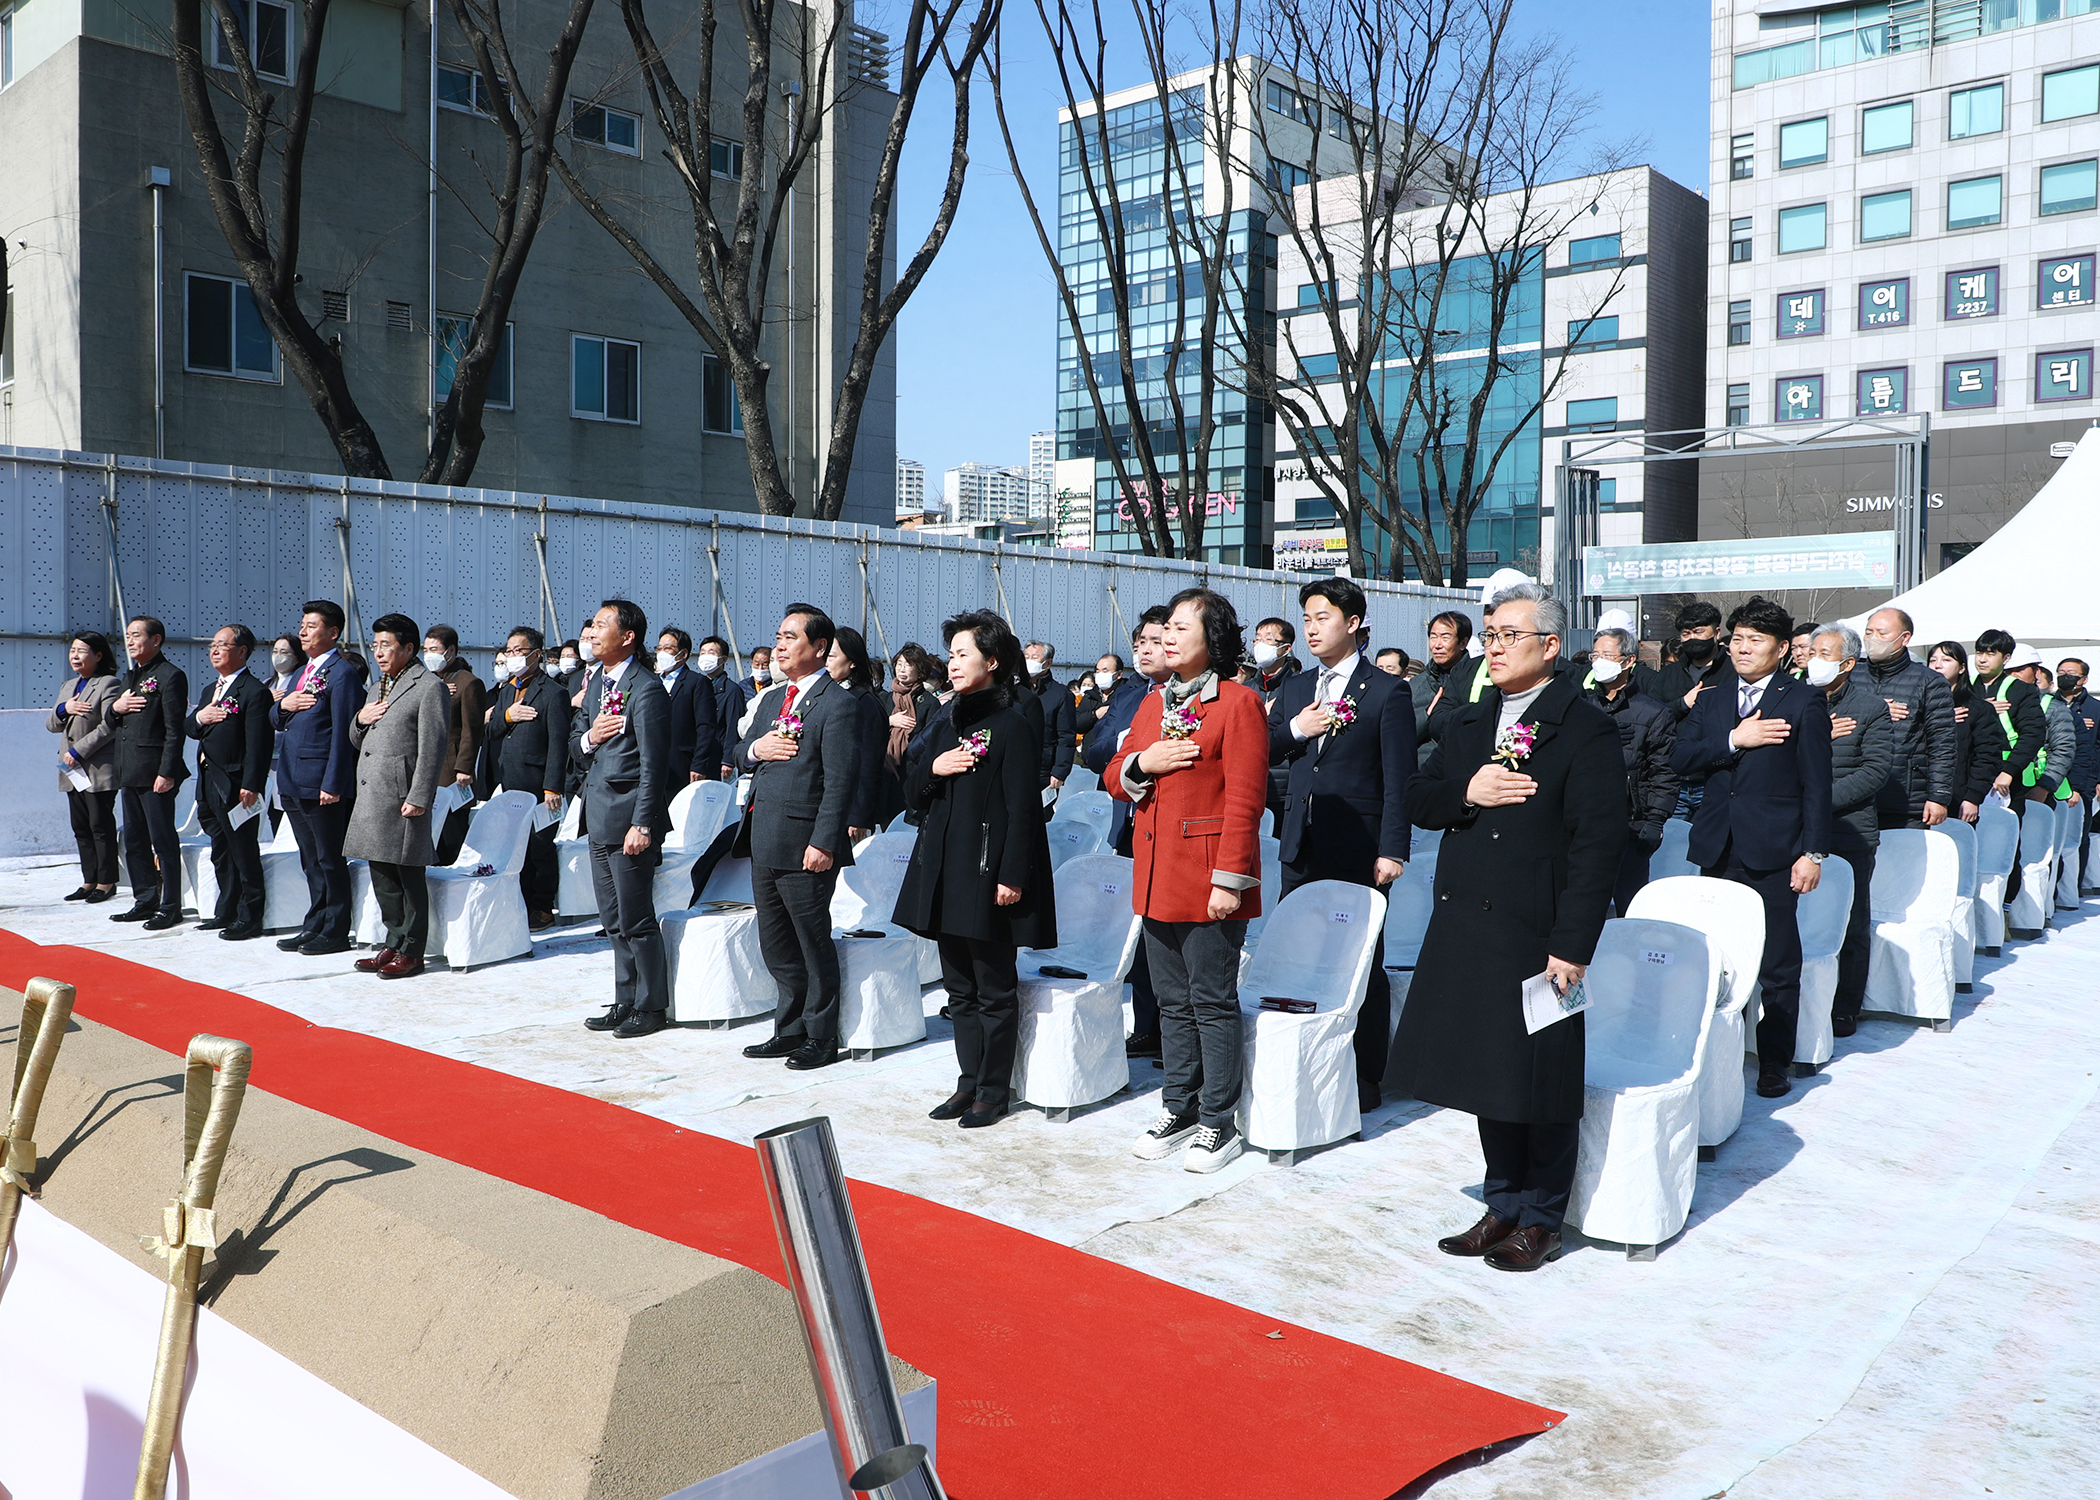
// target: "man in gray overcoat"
[[400, 738]]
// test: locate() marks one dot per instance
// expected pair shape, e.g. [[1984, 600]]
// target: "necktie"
[[306, 678], [1327, 691], [1746, 703], [788, 704]]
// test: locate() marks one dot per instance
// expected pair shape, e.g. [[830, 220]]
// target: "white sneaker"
[[1167, 1132], [1210, 1149]]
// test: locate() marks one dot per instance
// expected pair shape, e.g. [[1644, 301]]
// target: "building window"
[[605, 379], [1975, 201], [462, 89], [725, 159], [614, 129], [1804, 143], [1600, 414], [1283, 176], [1742, 157], [1884, 216], [1801, 314], [1973, 293], [453, 334], [1319, 366], [1804, 228], [1884, 393], [720, 411], [1292, 105], [1739, 322], [7, 48], [1309, 293], [1884, 304], [2066, 375], [7, 342], [2065, 281], [2070, 187], [1977, 111], [1583, 332], [225, 334], [1601, 247], [1738, 241], [1886, 127], [1738, 414], [1969, 383], [2071, 93], [1799, 399], [267, 29]]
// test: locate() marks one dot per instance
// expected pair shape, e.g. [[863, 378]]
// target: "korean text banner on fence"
[[1845, 560]]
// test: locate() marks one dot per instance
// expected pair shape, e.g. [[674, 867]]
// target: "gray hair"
[[1551, 617], [1049, 652], [1623, 637], [1847, 636]]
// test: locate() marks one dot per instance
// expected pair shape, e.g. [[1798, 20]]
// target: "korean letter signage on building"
[[1969, 382], [1801, 315], [2065, 375], [1799, 399], [1884, 393], [2066, 281], [1884, 304], [1973, 294], [1846, 560]]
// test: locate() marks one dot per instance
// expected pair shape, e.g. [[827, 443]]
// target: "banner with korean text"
[[1845, 560]]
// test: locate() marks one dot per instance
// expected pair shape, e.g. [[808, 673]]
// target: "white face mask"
[[708, 661], [284, 662], [1037, 668], [505, 665], [1607, 671], [586, 650], [1104, 680], [761, 674], [1823, 673], [665, 661], [435, 660], [1266, 652], [566, 666]]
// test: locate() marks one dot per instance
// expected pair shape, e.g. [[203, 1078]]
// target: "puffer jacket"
[[1647, 734], [1860, 762], [2063, 746], [1925, 767], [2085, 718], [1979, 745]]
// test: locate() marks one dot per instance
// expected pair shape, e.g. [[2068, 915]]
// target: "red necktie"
[[788, 706]]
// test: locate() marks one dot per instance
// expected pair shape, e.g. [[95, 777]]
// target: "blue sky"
[[976, 348]]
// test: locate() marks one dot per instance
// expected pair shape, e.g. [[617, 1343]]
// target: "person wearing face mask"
[[760, 681], [1060, 721], [712, 661], [1647, 735], [1270, 664], [466, 720], [2071, 677], [1979, 739], [568, 661], [527, 751], [1701, 666], [1100, 686], [1863, 743], [696, 735], [1923, 781]]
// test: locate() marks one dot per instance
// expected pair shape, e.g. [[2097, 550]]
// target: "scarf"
[[902, 701], [1178, 692]]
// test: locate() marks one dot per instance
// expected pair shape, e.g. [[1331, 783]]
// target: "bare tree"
[[257, 191], [803, 53]]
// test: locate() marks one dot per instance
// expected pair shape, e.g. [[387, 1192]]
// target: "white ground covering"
[[1887, 1288]]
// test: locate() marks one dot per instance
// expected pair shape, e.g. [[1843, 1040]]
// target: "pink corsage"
[[1340, 714], [230, 705], [615, 702], [976, 742], [788, 726], [1514, 744], [148, 685], [1178, 723]]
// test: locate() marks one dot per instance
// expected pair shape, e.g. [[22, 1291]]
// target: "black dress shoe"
[[814, 1054], [952, 1106], [96, 897], [136, 914], [240, 932], [777, 1046], [1772, 1083], [614, 1018], [82, 894], [322, 946], [1141, 1044], [1843, 1025], [162, 921], [1525, 1250], [210, 924], [295, 942], [981, 1115], [1481, 1238], [642, 1023]]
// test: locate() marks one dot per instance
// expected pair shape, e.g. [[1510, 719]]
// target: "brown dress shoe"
[[403, 966], [1481, 1238], [374, 963], [1526, 1250], [540, 921]]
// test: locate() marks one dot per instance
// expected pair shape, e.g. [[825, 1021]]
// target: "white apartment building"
[[1042, 471], [977, 494], [911, 487]]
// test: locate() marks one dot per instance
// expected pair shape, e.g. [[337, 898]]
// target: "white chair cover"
[[1268, 823], [2030, 910], [1095, 807], [1080, 779], [1822, 915], [867, 896], [717, 971], [1733, 919], [1916, 875], [2070, 823], [879, 977], [1671, 857], [699, 814], [1301, 1069], [576, 897], [1271, 893], [1997, 848], [1070, 838], [187, 823], [1409, 902], [1965, 889], [1070, 1050], [478, 919], [1652, 985], [285, 896]]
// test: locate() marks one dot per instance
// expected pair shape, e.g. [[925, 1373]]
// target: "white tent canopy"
[[2033, 578]]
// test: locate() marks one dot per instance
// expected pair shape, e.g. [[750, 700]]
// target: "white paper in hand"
[[449, 797], [544, 816], [1543, 1004], [79, 779], [241, 815]]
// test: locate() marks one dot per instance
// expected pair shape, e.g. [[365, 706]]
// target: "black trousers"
[[236, 853], [1202, 1038], [540, 876], [1374, 1022], [319, 831], [625, 885], [453, 837], [1859, 936], [1779, 975], [1530, 1171], [403, 894], [1144, 1005], [152, 852], [984, 1001], [95, 831], [794, 934], [1633, 872]]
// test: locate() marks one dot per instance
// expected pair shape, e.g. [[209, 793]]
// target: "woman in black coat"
[[850, 667], [979, 882], [1979, 739]]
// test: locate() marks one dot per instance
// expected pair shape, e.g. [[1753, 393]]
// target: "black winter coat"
[[1860, 763], [1514, 886], [1923, 762], [979, 831], [1647, 734], [1979, 745]]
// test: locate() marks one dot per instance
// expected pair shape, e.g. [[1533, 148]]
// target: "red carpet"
[[1061, 1375]]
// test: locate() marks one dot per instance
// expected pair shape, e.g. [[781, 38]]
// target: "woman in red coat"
[[1196, 764]]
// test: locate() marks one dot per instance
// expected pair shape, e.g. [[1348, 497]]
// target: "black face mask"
[[2067, 682], [1695, 652]]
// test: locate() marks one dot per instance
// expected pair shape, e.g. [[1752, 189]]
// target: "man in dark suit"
[[231, 724], [317, 774], [731, 697], [1345, 734], [695, 732], [146, 723], [804, 781], [1763, 745], [1060, 719], [527, 750], [1150, 669], [466, 719], [626, 743]]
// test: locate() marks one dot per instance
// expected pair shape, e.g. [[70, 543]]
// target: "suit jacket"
[[1122, 710], [731, 698], [532, 756], [804, 801], [1344, 804], [466, 703], [1060, 726], [696, 734], [237, 749], [1773, 801], [628, 780], [314, 754], [149, 743], [400, 759], [89, 735]]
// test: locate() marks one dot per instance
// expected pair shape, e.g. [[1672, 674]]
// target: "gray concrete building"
[[606, 391]]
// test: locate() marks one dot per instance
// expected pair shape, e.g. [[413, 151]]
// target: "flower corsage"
[[1514, 744], [230, 704], [1178, 723], [1341, 713], [615, 702], [149, 685], [788, 726], [976, 742]]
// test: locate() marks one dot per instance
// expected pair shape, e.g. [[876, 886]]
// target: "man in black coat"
[[1344, 733], [527, 750], [713, 662], [1763, 745], [317, 774], [696, 734], [1862, 752], [1647, 735], [1060, 713], [626, 743], [2018, 706], [231, 724], [1270, 665], [1531, 845], [146, 722], [1924, 782]]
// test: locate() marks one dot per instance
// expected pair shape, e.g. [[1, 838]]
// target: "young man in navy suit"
[[1345, 732], [696, 737], [1763, 744], [317, 774]]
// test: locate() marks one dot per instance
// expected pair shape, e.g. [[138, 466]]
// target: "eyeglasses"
[[1493, 638]]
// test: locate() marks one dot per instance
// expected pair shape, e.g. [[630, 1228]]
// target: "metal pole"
[[342, 538], [159, 179], [829, 1279], [47, 1008], [116, 574], [714, 562]]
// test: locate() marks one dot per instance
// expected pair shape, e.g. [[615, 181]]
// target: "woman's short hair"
[[96, 641], [923, 666], [1222, 637], [289, 642], [994, 639]]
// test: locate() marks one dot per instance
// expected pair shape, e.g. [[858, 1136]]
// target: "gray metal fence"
[[87, 538]]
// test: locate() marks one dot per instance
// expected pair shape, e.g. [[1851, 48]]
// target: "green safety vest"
[[2040, 764], [1480, 679]]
